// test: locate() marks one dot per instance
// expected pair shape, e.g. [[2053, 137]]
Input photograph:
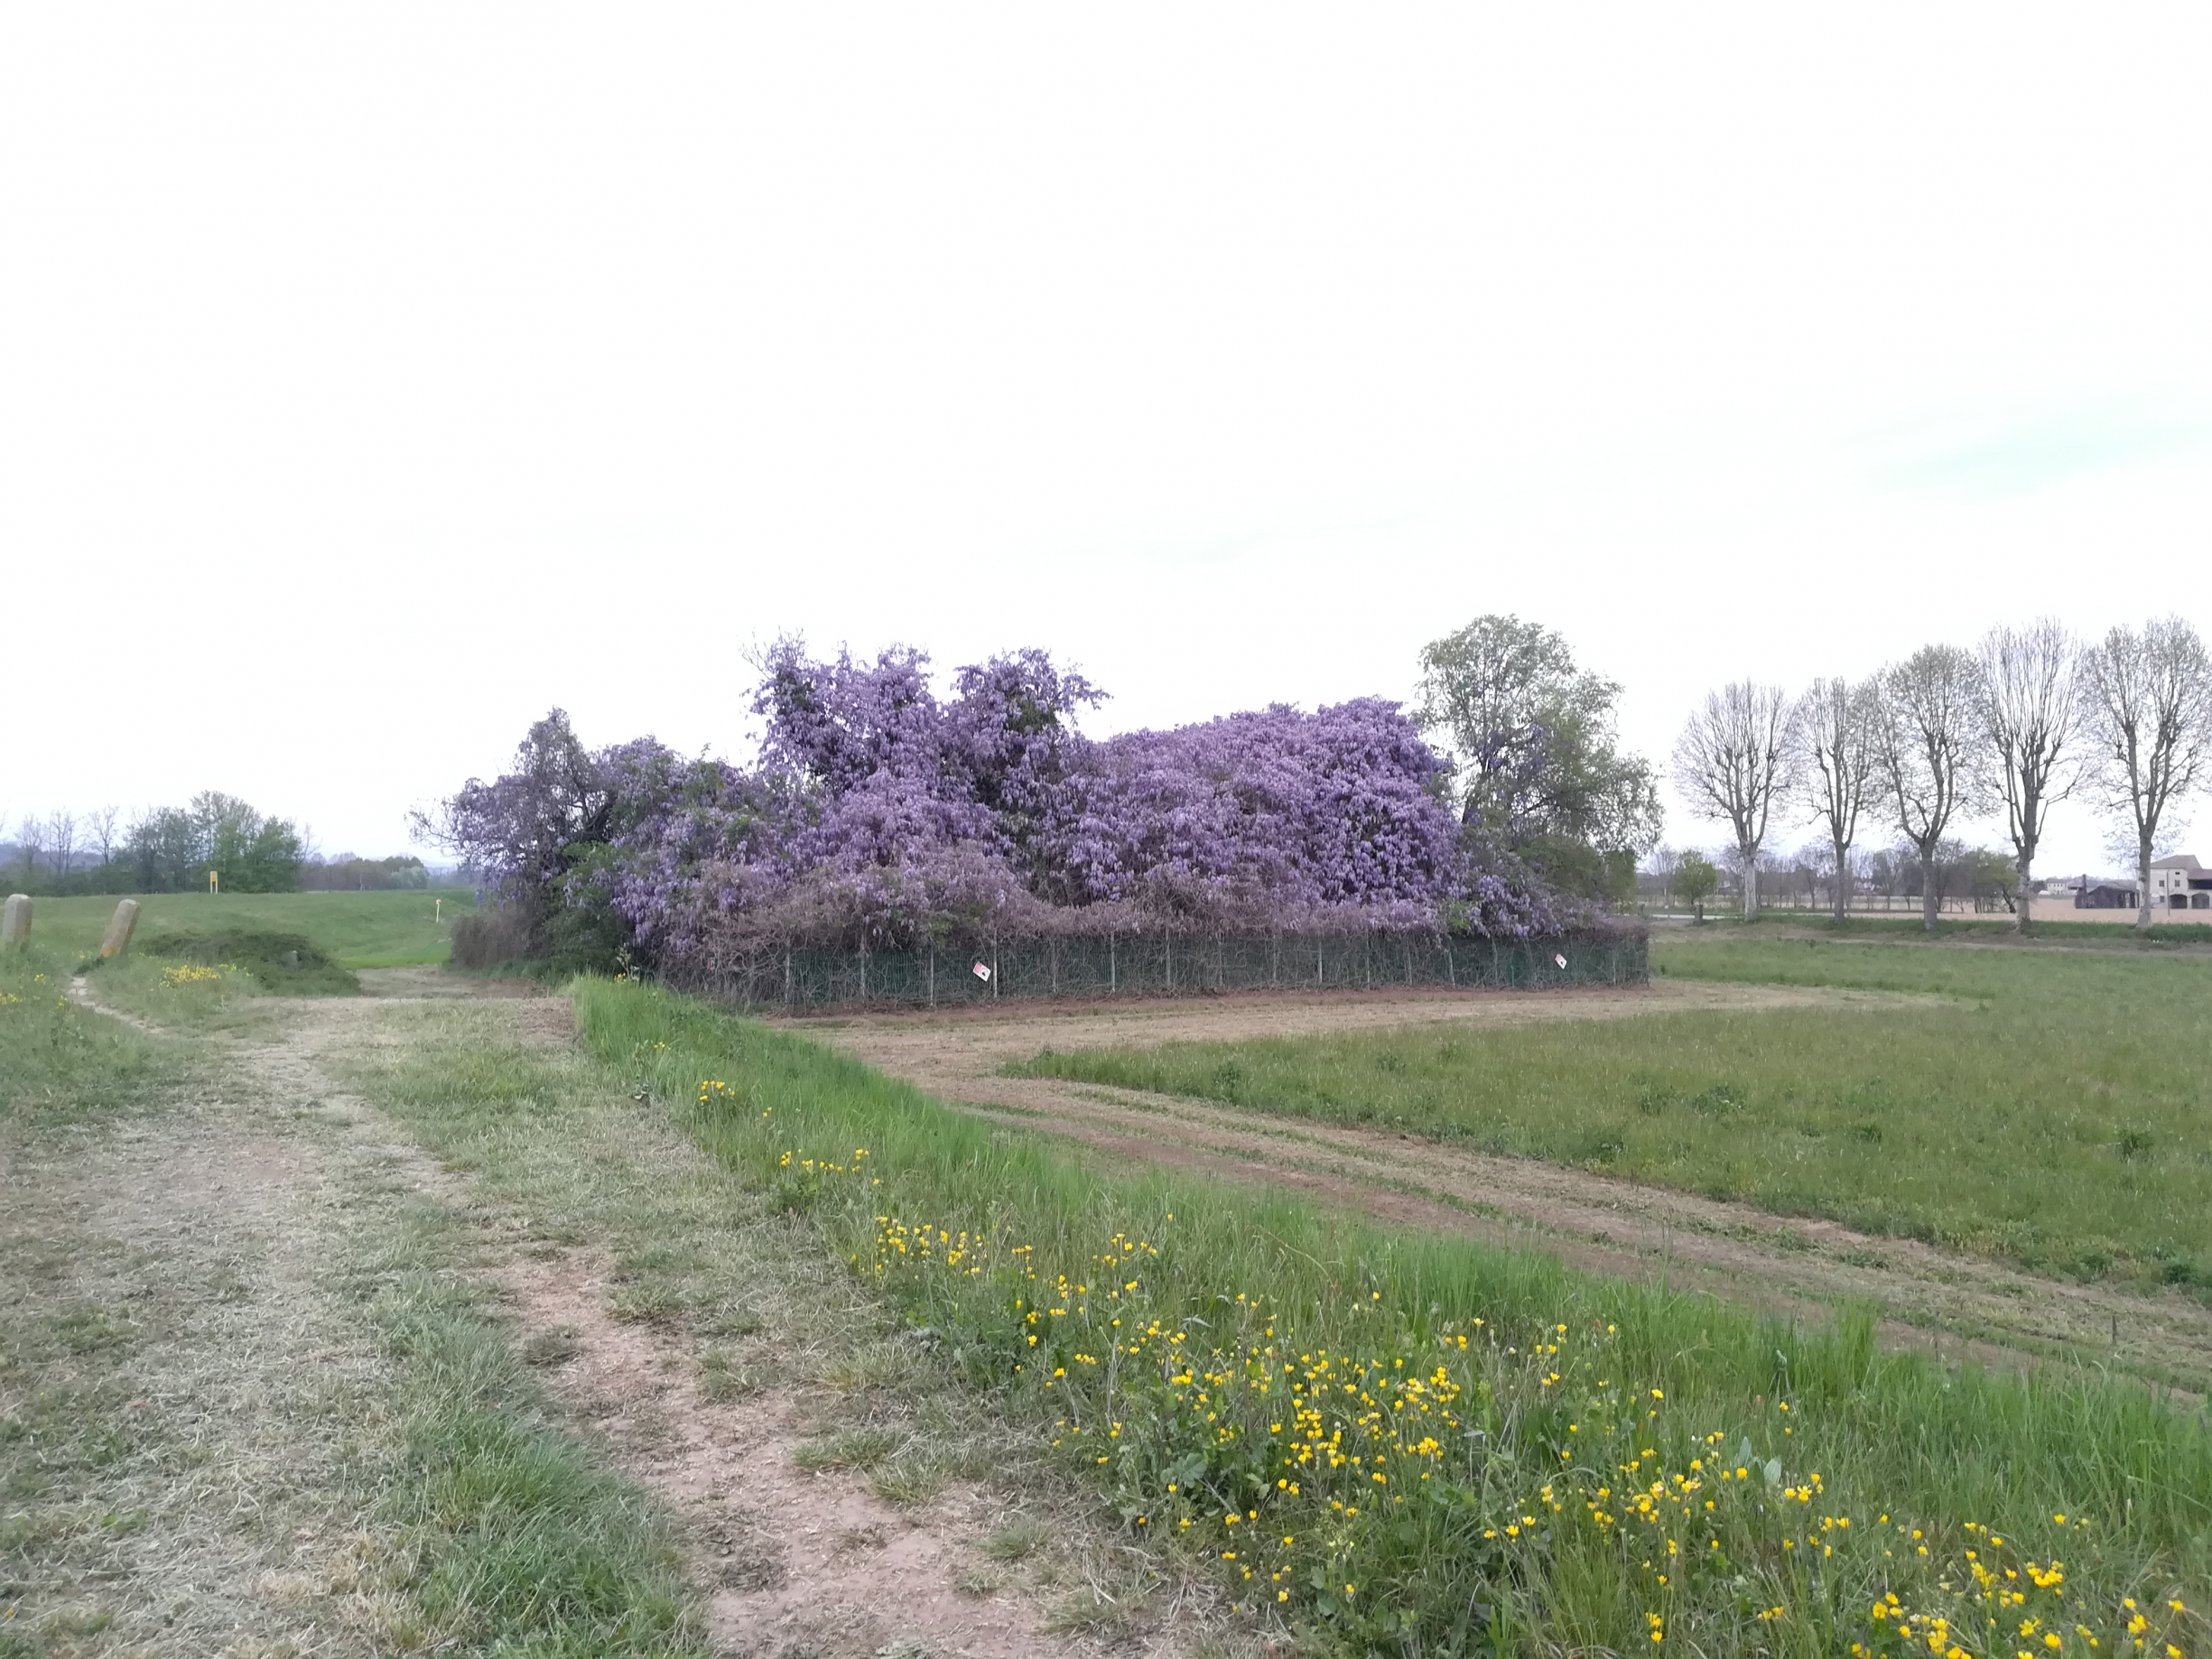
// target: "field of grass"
[[2113, 935], [2052, 1109], [358, 930], [1396, 1442]]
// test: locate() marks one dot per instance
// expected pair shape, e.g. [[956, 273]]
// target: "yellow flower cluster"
[[1307, 1473], [184, 974]]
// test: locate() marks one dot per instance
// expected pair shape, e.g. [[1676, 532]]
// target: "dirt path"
[[787, 1561], [1594, 1221]]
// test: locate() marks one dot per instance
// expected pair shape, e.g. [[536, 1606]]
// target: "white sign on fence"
[[982, 972]]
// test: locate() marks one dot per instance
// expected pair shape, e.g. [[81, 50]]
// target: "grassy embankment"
[[171, 1412], [1407, 1443], [2046, 1107], [356, 930]]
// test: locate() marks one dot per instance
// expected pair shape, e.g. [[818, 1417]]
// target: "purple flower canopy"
[[878, 813]]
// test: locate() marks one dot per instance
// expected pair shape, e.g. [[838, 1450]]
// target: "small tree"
[[1924, 747], [2029, 709], [1731, 760], [1695, 879], [2148, 706]]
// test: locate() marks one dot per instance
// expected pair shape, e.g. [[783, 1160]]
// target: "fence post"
[[1169, 941], [1113, 983], [932, 976], [787, 976], [863, 968], [994, 970]]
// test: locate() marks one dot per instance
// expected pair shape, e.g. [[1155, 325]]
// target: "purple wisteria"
[[881, 814]]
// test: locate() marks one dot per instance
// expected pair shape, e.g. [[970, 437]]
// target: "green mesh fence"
[[1169, 965]]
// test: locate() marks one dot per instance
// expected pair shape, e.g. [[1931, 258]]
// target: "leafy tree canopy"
[[1537, 761]]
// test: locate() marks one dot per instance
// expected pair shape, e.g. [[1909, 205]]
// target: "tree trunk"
[[1927, 892], [2021, 902], [2143, 879], [1842, 876], [1751, 882]]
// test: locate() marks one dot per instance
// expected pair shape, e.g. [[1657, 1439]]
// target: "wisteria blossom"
[[878, 813]]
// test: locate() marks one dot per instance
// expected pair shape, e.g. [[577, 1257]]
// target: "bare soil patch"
[[1594, 1221]]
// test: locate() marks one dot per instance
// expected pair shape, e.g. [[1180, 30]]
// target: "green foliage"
[[174, 850], [1534, 740], [1695, 879], [1004, 1240]]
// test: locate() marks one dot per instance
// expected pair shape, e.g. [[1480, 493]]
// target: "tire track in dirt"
[[1786, 1264], [787, 1563]]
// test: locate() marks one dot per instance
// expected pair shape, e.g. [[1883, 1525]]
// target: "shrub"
[[490, 938]]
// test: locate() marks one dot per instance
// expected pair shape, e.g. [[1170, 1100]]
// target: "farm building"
[[2181, 883], [2103, 894]]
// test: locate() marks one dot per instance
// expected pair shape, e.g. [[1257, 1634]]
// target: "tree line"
[[2027, 718], [175, 849]]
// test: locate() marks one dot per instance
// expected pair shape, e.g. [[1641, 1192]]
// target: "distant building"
[[2181, 883], [2089, 894]]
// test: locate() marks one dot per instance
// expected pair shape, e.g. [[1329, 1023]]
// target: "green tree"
[[1535, 750], [252, 854], [1695, 879]]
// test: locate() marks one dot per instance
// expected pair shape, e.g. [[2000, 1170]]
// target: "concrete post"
[[15, 919], [119, 939]]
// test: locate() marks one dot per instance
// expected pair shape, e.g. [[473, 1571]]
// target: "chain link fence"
[[1118, 965]]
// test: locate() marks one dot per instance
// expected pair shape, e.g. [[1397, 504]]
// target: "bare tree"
[[1925, 753], [2147, 702], [61, 835], [2030, 718], [1831, 729], [101, 827], [1730, 761], [31, 842]]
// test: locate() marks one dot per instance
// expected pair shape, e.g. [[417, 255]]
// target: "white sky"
[[372, 378]]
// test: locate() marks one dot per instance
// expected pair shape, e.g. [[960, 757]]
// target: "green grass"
[[514, 1539], [1166, 1336], [358, 929], [59, 1062], [2114, 935], [2052, 1109]]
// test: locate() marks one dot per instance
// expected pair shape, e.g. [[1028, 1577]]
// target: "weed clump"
[[283, 964]]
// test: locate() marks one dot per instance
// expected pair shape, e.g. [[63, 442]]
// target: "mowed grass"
[[359, 929], [2116, 933], [2053, 1108], [1386, 1442]]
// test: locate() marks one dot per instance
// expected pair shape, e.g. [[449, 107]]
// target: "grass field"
[[2051, 1107], [2117, 935], [1395, 1442], [360, 929]]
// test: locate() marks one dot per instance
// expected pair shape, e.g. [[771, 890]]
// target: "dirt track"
[[1593, 1221]]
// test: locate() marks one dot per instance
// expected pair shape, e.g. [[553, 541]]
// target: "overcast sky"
[[373, 377]]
